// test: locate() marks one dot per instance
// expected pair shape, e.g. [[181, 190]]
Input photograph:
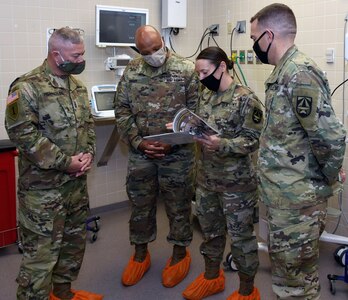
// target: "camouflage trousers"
[[218, 211], [52, 226], [294, 251], [170, 180]]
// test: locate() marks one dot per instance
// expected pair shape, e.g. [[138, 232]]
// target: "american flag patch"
[[12, 97]]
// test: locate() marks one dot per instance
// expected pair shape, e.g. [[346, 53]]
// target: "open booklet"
[[186, 125]]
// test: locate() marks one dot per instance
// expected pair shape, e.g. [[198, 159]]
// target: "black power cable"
[[338, 86], [207, 32]]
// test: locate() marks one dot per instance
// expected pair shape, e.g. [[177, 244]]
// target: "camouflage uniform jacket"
[[148, 98], [302, 144], [48, 124], [237, 114]]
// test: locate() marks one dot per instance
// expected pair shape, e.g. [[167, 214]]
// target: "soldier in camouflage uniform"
[[226, 191], [302, 148], [152, 89], [49, 120]]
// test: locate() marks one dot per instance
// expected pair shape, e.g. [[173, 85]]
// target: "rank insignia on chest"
[[304, 106], [257, 115]]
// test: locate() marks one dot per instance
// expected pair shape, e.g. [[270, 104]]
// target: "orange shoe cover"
[[135, 270], [53, 297], [203, 287], [172, 275], [255, 295], [80, 295]]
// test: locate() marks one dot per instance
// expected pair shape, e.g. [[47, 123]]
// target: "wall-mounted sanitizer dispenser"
[[174, 13]]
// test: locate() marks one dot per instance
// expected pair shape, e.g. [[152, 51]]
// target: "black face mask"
[[211, 82], [262, 55], [71, 67]]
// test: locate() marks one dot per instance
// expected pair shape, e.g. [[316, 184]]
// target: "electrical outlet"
[[229, 28], [330, 55], [241, 26], [242, 56], [214, 29], [250, 57], [234, 55], [257, 60]]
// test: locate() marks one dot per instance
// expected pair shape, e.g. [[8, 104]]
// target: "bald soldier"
[[152, 89], [49, 120]]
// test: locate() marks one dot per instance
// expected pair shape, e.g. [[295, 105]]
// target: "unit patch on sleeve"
[[257, 115], [304, 106], [12, 105]]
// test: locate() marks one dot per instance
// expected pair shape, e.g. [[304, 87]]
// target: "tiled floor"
[[106, 258]]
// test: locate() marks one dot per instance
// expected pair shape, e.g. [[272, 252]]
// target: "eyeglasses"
[[79, 30]]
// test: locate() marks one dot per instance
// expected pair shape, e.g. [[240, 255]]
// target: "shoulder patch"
[[12, 110], [257, 115], [12, 105], [12, 97], [304, 106]]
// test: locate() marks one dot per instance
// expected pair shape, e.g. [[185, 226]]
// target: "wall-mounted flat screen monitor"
[[116, 26]]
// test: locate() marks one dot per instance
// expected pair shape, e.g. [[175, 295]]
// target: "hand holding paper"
[[186, 125], [210, 142]]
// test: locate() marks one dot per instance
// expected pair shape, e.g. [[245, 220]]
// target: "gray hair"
[[63, 35]]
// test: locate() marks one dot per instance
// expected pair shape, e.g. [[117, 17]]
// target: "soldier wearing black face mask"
[[211, 82], [226, 181], [301, 152], [263, 55], [70, 67], [49, 120]]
